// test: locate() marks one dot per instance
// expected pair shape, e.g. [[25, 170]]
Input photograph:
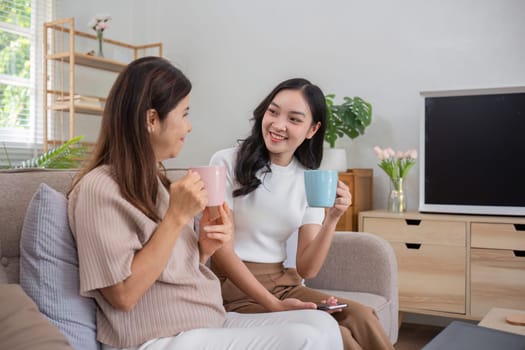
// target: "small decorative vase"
[[100, 37], [397, 202]]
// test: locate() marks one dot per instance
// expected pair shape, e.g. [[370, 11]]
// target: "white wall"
[[236, 51]]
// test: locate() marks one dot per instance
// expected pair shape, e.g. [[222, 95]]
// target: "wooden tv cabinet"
[[454, 265]]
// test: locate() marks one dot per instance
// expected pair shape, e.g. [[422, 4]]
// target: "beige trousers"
[[359, 326]]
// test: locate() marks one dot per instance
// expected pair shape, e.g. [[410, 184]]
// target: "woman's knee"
[[322, 320], [315, 336], [360, 311], [321, 328], [327, 326]]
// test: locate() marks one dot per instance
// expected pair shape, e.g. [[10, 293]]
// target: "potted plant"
[[350, 119], [68, 155]]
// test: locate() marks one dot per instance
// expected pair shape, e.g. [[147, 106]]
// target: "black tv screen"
[[473, 152]]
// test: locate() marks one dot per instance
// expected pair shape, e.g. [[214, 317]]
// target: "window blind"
[[21, 80]]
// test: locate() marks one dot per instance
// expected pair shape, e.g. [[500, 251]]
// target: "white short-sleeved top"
[[268, 216]]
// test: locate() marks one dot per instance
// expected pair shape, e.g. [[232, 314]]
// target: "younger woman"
[[267, 196], [139, 257]]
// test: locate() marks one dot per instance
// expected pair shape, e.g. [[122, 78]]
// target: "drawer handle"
[[519, 253], [413, 245], [519, 227], [414, 222]]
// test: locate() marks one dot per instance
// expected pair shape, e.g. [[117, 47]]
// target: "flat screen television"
[[472, 152]]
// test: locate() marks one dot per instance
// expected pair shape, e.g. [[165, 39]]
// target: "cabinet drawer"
[[497, 236], [431, 277], [497, 279], [406, 230]]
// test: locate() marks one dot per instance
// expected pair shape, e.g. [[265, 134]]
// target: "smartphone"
[[327, 307]]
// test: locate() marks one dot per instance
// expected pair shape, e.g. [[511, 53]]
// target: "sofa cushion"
[[22, 326], [49, 268]]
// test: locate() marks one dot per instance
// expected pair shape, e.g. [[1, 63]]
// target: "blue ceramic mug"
[[321, 187]]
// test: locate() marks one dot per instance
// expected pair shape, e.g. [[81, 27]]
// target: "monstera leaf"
[[349, 118]]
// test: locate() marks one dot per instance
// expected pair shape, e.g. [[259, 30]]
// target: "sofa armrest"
[[359, 262]]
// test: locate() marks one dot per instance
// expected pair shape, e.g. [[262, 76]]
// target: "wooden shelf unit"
[[454, 265], [359, 181], [91, 61], [59, 48]]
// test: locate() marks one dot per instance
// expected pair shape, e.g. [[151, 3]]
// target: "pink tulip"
[[395, 164], [379, 152], [412, 154]]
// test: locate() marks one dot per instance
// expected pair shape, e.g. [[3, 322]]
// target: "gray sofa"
[[360, 266]]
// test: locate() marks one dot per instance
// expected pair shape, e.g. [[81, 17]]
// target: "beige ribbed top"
[[108, 231]]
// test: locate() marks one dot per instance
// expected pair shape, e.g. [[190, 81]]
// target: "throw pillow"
[[49, 268], [22, 327]]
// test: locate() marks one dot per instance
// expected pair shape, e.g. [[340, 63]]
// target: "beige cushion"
[[22, 326]]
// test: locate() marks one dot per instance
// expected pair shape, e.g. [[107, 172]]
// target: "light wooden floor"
[[415, 336]]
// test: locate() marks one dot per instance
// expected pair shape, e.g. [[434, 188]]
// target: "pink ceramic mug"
[[214, 178]]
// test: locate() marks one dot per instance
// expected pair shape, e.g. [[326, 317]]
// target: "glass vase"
[[100, 37], [397, 202]]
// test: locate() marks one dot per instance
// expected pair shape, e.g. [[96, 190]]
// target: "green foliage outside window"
[[14, 106], [15, 48], [17, 12]]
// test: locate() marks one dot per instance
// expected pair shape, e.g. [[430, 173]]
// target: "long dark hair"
[[253, 154], [123, 142]]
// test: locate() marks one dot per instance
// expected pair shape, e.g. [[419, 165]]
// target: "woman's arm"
[[314, 241], [147, 265], [228, 262], [149, 262], [213, 234]]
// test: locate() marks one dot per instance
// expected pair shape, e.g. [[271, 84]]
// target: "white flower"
[[92, 23]]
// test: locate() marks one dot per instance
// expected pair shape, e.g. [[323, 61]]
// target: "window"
[[21, 27]]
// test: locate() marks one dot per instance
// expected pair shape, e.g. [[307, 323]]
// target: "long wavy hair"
[[124, 142], [253, 154]]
